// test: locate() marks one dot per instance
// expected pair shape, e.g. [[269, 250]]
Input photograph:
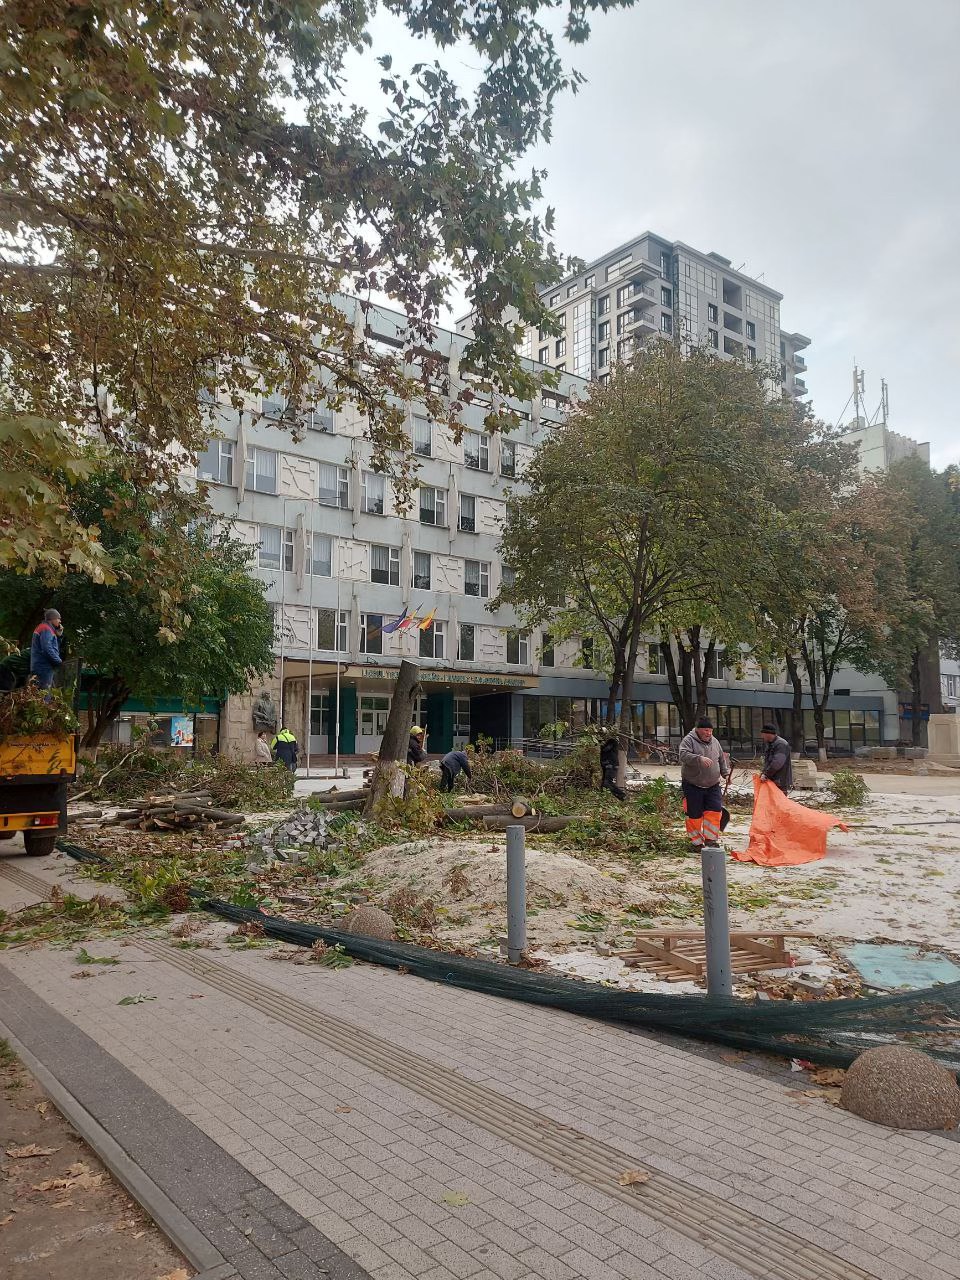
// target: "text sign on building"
[[446, 677]]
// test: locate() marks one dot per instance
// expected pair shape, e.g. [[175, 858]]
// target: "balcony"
[[799, 387], [799, 364], [641, 270], [641, 323]]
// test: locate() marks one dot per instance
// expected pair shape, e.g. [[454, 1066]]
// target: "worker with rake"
[[702, 765]]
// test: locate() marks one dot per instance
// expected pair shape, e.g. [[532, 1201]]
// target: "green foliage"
[[418, 809], [849, 789], [507, 773], [32, 710], [129, 772], [83, 956], [63, 918], [332, 957], [187, 188], [626, 830]]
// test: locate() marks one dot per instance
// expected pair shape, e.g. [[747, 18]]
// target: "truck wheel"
[[39, 844]]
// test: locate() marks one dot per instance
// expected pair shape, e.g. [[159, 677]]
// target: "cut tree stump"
[[521, 808], [681, 955], [474, 812]]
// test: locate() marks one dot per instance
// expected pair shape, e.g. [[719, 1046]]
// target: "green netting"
[[825, 1031]]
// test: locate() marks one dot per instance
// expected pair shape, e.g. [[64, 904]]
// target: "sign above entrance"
[[446, 677]]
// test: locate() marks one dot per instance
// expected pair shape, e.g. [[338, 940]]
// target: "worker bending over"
[[453, 764], [702, 765]]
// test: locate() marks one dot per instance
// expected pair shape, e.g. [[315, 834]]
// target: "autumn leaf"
[[633, 1178], [456, 1198], [27, 1153], [139, 998]]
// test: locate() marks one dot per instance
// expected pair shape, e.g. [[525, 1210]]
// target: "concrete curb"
[[175, 1225]]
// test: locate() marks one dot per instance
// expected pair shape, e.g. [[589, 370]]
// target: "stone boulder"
[[804, 775], [901, 1088], [371, 922]]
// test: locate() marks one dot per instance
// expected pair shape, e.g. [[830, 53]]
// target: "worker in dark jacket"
[[415, 751], [45, 649], [286, 748], [451, 766], [702, 764], [609, 764], [777, 765]]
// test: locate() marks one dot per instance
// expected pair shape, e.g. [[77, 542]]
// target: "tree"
[[117, 629], [186, 190], [927, 612], [650, 508]]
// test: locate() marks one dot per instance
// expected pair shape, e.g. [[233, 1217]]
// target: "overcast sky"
[[814, 144]]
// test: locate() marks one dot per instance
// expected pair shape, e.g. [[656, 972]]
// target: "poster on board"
[[181, 731]]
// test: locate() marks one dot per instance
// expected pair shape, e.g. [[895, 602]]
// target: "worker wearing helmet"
[[415, 751]]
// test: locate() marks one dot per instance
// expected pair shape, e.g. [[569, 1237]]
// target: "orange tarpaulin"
[[783, 833]]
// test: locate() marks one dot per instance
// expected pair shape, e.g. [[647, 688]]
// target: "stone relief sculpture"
[[264, 714]]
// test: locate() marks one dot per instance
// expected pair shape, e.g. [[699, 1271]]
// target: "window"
[[604, 377], [560, 347], [571, 290], [555, 300], [713, 314], [334, 486], [461, 719], [467, 646], [476, 578], [468, 513], [374, 713], [260, 472], [544, 355], [752, 354], [716, 668], [546, 652], [666, 297], [603, 355], [508, 576], [333, 630], [603, 331], [617, 268], [433, 505], [666, 323], [586, 652], [320, 418], [373, 493], [561, 368], [385, 565], [274, 406], [371, 633], [624, 295], [603, 305], [751, 330], [656, 663], [590, 282], [433, 641], [476, 449], [321, 562], [768, 675], [423, 437], [518, 648], [508, 458], [421, 570], [275, 544], [714, 337], [216, 462]]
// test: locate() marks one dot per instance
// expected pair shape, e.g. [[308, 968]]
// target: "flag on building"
[[411, 621], [396, 624], [428, 620]]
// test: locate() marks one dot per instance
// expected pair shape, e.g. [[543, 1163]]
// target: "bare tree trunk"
[[103, 707], [388, 778], [916, 705], [797, 735]]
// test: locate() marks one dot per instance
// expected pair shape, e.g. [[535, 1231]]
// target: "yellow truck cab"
[[34, 772]]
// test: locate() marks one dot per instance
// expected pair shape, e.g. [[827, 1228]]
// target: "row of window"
[[333, 635]]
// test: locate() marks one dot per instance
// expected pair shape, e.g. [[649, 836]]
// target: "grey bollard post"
[[716, 920], [516, 893]]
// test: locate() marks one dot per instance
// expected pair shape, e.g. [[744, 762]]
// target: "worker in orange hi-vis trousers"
[[702, 765]]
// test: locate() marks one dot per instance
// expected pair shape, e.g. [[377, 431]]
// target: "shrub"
[[32, 710], [849, 789]]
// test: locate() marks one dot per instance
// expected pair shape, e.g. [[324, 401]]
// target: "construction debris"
[[302, 832], [680, 955], [186, 811]]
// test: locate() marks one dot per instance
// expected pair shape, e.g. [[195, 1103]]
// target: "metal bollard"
[[716, 920], [516, 893]]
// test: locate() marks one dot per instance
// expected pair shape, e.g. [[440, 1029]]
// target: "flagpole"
[[336, 721], [312, 563]]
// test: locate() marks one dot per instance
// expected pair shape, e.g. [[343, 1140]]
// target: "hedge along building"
[[353, 579]]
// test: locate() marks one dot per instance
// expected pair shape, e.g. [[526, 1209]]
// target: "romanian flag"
[[396, 624], [411, 621], [428, 620]]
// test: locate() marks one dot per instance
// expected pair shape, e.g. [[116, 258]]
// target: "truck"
[[34, 771]]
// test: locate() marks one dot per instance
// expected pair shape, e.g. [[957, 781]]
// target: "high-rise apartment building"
[[650, 286]]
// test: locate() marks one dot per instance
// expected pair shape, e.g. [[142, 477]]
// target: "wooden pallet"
[[681, 956]]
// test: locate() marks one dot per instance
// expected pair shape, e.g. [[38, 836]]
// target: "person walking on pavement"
[[285, 748], [415, 751], [702, 765], [609, 763], [777, 762], [261, 749], [45, 649], [453, 764]]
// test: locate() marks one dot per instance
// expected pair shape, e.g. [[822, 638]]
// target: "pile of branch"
[[497, 817], [184, 811], [340, 801]]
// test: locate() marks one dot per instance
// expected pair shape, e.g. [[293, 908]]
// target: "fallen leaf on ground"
[[633, 1177], [24, 1153], [139, 998], [829, 1076], [43, 1107], [456, 1198], [53, 1184], [343, 1110], [4, 1221]]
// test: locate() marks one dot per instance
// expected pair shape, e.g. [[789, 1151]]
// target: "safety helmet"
[[416, 731]]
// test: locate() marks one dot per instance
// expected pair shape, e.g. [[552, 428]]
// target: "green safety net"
[[832, 1032]]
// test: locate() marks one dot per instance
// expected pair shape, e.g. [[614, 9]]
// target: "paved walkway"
[[427, 1133]]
